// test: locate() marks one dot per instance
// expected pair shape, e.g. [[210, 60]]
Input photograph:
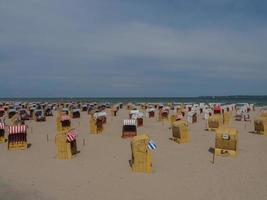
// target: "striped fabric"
[[2, 126], [71, 136], [129, 122], [17, 129], [64, 118], [151, 145]]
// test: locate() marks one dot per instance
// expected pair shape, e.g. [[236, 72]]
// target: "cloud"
[[88, 43]]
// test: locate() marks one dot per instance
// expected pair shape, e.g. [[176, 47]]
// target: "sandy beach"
[[101, 170]]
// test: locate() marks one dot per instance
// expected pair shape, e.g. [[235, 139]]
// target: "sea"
[[257, 100]]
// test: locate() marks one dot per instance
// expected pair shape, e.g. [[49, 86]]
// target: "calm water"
[[257, 100]]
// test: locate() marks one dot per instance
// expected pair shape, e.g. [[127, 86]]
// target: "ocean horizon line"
[[136, 97]]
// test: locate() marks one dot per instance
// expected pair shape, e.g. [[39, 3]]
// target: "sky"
[[133, 48]]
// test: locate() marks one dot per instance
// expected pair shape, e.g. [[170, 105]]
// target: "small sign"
[[225, 136]]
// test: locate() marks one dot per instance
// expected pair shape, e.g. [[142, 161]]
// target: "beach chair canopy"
[[17, 129], [134, 111], [129, 122], [71, 135], [76, 110], [12, 110], [137, 115], [100, 114]]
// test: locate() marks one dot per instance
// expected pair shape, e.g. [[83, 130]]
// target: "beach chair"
[[11, 113], [192, 117], [48, 112], [17, 137], [141, 156], [97, 122], [129, 128], [180, 132], [260, 125], [66, 144], [172, 119], [226, 142], [2, 132], [175, 117], [65, 111], [239, 117], [24, 114], [130, 106], [96, 126], [138, 116], [214, 122], [133, 113], [84, 108], [2, 112], [217, 109], [140, 121], [246, 117], [39, 116], [76, 113], [114, 111], [150, 112], [163, 114], [264, 115], [188, 108], [207, 113]]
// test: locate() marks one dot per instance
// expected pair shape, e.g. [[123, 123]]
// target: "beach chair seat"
[[129, 128], [2, 132]]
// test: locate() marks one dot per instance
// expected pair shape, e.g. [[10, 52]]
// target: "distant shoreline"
[[257, 100], [138, 97]]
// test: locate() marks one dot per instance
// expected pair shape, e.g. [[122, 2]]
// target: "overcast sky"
[[126, 48]]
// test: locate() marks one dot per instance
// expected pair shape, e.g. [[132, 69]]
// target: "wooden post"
[[47, 138], [83, 142], [213, 159]]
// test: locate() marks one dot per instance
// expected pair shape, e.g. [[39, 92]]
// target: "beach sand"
[[101, 170]]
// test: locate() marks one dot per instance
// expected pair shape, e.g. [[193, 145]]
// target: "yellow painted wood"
[[226, 141], [260, 125], [180, 132], [141, 156], [214, 122]]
